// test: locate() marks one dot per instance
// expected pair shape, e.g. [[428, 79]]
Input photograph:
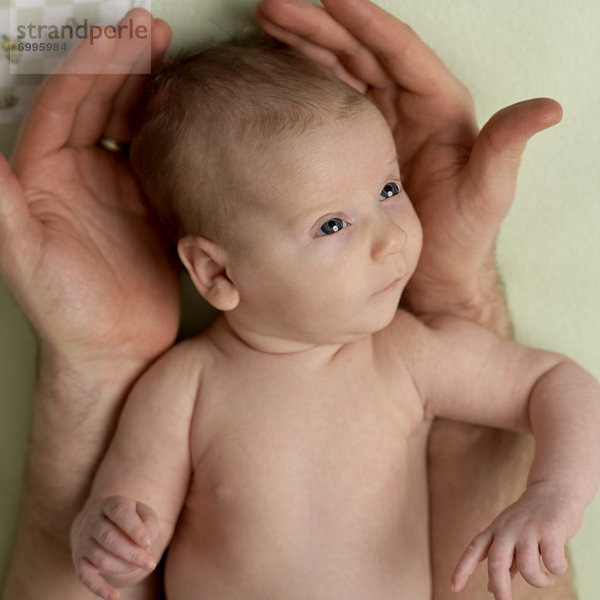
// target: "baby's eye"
[[389, 189], [332, 226]]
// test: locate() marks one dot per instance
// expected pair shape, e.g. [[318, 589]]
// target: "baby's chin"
[[357, 330]]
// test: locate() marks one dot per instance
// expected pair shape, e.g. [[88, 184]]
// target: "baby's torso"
[[306, 486]]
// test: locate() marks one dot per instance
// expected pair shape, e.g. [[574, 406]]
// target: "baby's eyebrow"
[[305, 214], [394, 161]]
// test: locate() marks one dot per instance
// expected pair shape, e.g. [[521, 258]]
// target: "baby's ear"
[[206, 263]]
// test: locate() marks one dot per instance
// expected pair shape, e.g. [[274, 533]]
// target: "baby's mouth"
[[390, 287]]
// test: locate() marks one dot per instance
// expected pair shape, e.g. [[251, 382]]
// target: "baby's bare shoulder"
[[412, 333], [182, 365], [415, 341], [403, 343]]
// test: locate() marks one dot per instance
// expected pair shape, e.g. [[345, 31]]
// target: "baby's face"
[[325, 255]]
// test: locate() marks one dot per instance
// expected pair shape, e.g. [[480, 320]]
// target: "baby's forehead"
[[262, 166], [316, 168]]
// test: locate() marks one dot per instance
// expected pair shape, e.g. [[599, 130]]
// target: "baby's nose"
[[390, 239]]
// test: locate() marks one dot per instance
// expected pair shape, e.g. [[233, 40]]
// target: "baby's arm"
[[484, 379], [129, 518]]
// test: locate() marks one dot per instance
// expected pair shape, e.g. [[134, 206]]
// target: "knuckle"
[[119, 509], [554, 537], [531, 529], [139, 531], [471, 548], [465, 94], [107, 538], [137, 558], [103, 562], [351, 51], [408, 30], [100, 559], [527, 546], [497, 564]]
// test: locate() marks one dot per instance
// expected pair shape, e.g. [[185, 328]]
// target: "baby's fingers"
[[473, 555], [500, 566], [91, 578], [528, 562], [553, 555], [135, 519], [121, 554]]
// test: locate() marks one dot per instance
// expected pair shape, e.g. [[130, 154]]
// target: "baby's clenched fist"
[[112, 544]]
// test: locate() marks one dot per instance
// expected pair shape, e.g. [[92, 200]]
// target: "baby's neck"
[[237, 338]]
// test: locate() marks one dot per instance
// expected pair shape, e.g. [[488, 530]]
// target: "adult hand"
[[461, 182], [77, 247], [95, 278]]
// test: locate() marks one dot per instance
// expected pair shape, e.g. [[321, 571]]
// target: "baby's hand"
[[536, 526], [113, 541]]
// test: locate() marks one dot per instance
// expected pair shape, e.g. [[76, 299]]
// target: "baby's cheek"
[[332, 246], [415, 241]]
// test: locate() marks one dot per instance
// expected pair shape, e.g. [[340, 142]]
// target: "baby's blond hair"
[[210, 109]]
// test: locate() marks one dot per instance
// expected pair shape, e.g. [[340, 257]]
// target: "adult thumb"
[[18, 230], [494, 162]]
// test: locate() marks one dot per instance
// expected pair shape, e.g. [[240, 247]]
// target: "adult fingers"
[[49, 122], [490, 175], [161, 38], [19, 231], [321, 55], [130, 52], [124, 117], [15, 218], [312, 30], [403, 55]]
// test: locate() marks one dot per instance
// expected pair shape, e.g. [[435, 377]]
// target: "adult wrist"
[[76, 405], [479, 299], [106, 375]]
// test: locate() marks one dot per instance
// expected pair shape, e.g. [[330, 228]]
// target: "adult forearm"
[[74, 411]]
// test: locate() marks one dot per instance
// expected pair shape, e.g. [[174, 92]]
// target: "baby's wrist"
[[565, 496]]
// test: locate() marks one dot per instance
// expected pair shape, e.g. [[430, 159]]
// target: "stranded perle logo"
[[79, 31]]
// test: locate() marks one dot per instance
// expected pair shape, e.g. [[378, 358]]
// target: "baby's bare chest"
[[312, 436], [306, 484]]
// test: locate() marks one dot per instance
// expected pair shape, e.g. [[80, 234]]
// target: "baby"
[[281, 454]]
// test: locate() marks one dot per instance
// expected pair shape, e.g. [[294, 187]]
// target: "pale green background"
[[549, 248]]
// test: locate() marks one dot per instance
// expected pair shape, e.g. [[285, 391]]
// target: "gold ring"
[[111, 145]]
